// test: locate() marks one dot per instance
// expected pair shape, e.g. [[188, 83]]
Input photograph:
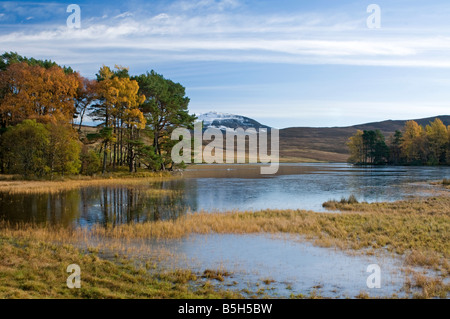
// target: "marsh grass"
[[417, 229], [216, 274], [46, 186], [35, 269], [421, 286], [332, 204], [444, 182], [402, 227], [268, 281], [159, 193]]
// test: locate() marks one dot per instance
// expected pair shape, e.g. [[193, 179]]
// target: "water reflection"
[[97, 205], [307, 186], [55, 208], [221, 188]]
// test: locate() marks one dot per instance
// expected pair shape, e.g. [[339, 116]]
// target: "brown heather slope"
[[325, 144], [329, 143]]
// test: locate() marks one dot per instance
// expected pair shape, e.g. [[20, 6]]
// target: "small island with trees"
[[414, 145]]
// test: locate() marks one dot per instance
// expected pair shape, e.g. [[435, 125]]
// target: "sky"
[[284, 63]]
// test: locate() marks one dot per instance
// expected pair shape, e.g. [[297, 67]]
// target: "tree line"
[[413, 145], [40, 102]]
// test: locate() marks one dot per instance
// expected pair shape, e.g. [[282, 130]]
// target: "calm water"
[[294, 266], [220, 188], [291, 264]]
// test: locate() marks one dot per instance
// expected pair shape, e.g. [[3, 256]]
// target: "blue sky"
[[283, 63]]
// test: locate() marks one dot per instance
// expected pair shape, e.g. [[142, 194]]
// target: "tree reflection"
[[108, 206]]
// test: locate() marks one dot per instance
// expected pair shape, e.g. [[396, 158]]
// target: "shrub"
[[90, 162], [24, 149]]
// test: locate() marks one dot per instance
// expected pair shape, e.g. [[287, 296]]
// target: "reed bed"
[[401, 227], [46, 186], [34, 269], [417, 229]]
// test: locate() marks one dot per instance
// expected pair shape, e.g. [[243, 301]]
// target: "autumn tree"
[[413, 144], [118, 110], [29, 92], [448, 146], [63, 155], [437, 136], [356, 148], [85, 96], [42, 98]]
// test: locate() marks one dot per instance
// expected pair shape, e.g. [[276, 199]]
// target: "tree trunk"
[[130, 150], [116, 146], [105, 158]]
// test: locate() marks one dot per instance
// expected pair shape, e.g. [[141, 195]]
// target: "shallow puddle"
[[279, 266]]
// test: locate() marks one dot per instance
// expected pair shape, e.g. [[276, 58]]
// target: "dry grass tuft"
[[216, 274], [429, 287]]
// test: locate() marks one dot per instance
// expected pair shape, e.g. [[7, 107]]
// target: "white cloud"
[[306, 38], [123, 15], [326, 113], [218, 5]]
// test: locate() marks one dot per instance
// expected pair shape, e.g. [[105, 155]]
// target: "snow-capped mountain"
[[225, 121]]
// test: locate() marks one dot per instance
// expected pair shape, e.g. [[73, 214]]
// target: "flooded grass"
[[36, 269], [332, 204], [418, 230], [403, 226], [216, 274]]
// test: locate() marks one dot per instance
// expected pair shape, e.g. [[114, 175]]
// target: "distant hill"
[[225, 121], [306, 144], [329, 143]]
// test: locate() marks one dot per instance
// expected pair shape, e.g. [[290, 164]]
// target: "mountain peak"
[[226, 121]]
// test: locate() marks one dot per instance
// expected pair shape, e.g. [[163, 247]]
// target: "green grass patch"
[[30, 269]]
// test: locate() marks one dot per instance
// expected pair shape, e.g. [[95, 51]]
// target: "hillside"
[[329, 143], [226, 121], [306, 144]]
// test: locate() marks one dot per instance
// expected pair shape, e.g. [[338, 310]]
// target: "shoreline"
[[22, 186]]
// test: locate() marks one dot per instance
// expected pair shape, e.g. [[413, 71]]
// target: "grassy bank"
[[12, 185]]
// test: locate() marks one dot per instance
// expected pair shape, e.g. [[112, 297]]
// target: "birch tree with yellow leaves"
[[118, 109]]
